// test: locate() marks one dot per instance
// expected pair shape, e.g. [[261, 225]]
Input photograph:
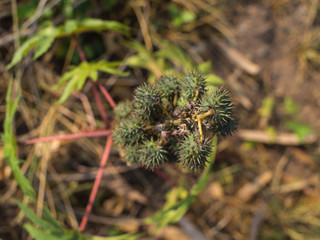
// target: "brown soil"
[[265, 183]]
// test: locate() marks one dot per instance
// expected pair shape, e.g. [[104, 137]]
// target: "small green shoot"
[[179, 201], [44, 38], [10, 145], [212, 79], [290, 107], [49, 228], [77, 76], [157, 62], [267, 107], [180, 17], [300, 130]]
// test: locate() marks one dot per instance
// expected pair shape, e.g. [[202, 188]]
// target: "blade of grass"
[[10, 144]]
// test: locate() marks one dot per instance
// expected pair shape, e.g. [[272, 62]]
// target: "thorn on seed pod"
[[129, 132], [168, 86], [123, 110], [192, 154], [147, 103], [151, 155], [193, 85], [220, 102]]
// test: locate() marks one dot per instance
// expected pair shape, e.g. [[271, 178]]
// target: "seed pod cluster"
[[174, 121]]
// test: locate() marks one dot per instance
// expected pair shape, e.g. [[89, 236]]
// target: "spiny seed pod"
[[168, 86], [193, 85], [151, 155], [173, 150], [220, 102], [192, 154], [226, 128], [174, 121], [123, 110], [129, 132], [147, 103], [132, 154]]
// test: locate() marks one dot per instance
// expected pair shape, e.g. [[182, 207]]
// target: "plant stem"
[[99, 103], [70, 136], [196, 95], [197, 188], [199, 117], [107, 96], [94, 87], [96, 184], [80, 51], [107, 149], [164, 177]]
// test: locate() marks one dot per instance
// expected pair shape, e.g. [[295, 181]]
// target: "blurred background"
[[265, 181]]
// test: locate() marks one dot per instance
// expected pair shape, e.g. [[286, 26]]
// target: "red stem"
[[96, 184], [107, 96], [70, 136], [94, 87], [99, 103], [107, 149], [164, 177], [80, 51]]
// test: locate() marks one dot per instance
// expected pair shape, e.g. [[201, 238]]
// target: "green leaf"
[[272, 132], [76, 80], [300, 129], [110, 67], [10, 144], [175, 54], [51, 220], [70, 26], [47, 228], [144, 58], [23, 50], [127, 236], [289, 106], [213, 80], [46, 39], [65, 77], [180, 17], [42, 41], [40, 234], [92, 24], [267, 106], [77, 76], [205, 67], [74, 235], [35, 219]]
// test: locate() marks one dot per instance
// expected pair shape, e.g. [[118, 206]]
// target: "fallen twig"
[[280, 138]]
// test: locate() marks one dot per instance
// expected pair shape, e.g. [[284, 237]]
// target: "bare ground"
[[265, 183]]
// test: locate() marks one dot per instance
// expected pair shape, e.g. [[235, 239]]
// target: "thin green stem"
[[197, 188]]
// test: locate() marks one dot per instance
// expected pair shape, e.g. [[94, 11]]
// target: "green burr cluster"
[[174, 120]]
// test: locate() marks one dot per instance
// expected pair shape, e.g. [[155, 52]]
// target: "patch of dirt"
[[259, 188]]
